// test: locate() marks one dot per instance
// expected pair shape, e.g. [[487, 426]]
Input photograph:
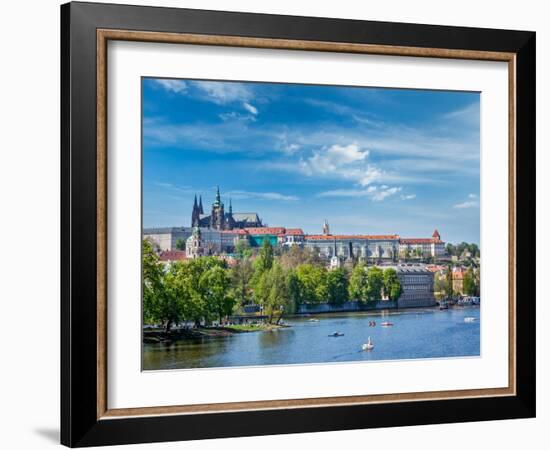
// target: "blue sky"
[[369, 160]]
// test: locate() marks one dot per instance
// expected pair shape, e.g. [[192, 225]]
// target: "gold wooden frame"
[[103, 36]]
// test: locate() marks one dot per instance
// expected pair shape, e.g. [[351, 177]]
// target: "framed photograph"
[[276, 224]]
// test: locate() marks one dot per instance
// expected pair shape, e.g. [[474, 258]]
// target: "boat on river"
[[465, 301], [469, 319], [368, 345], [443, 305], [336, 334], [313, 320], [387, 324]]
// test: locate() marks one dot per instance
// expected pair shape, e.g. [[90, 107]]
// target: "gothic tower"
[[195, 215], [230, 222], [217, 218], [201, 211]]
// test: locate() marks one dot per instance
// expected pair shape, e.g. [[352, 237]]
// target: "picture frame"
[[86, 418]]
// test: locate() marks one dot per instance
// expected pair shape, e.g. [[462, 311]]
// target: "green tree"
[[265, 257], [162, 302], [279, 298], [440, 284], [188, 277], [180, 244], [296, 255], [242, 248], [312, 283], [392, 284], [468, 282], [449, 282], [336, 287], [294, 290], [241, 277], [375, 283], [450, 249], [214, 284], [358, 283]]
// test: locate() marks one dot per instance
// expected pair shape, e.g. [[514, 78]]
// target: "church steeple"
[[230, 206], [326, 229], [201, 211]]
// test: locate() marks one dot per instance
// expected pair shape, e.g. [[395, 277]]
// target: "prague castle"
[[218, 219], [219, 231]]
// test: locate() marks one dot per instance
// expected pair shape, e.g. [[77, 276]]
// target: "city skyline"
[[369, 160]]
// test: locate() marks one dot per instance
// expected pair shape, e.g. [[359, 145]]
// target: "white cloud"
[[251, 109], [408, 197], [261, 195], [341, 161], [466, 204], [473, 202], [224, 92], [375, 193], [172, 186], [234, 116], [176, 86], [468, 115]]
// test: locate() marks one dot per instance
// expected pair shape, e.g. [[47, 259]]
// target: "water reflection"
[[423, 333]]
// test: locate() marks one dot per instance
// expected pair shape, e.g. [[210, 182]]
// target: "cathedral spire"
[[218, 198], [230, 206], [195, 214], [201, 211]]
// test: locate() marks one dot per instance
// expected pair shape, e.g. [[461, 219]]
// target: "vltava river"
[[418, 333]]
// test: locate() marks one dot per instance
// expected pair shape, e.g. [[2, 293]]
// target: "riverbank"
[[200, 333]]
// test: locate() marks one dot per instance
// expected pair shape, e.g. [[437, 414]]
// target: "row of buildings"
[[200, 241], [220, 231]]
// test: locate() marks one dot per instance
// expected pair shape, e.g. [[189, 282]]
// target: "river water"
[[418, 333]]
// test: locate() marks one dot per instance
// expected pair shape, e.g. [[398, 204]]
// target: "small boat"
[[387, 324], [469, 319], [368, 346], [336, 334], [313, 320], [443, 305]]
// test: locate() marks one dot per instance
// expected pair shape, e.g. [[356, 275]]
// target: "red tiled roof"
[[331, 237], [265, 230], [294, 231], [419, 240], [172, 255], [235, 231]]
